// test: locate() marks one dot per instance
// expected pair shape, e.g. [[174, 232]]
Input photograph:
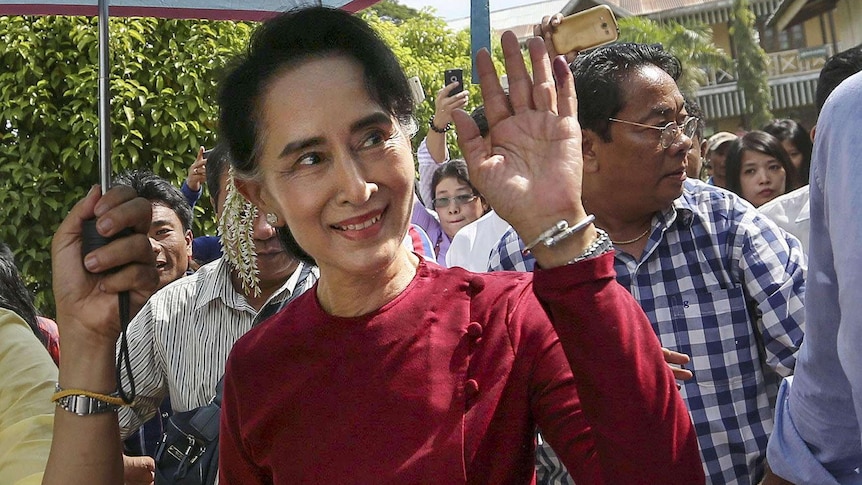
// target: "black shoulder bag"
[[188, 451]]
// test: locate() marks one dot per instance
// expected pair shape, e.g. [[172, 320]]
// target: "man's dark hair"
[[838, 68], [693, 109], [218, 162], [156, 189], [481, 120], [14, 295], [601, 73]]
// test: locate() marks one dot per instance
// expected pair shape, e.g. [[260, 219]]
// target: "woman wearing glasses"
[[456, 202]]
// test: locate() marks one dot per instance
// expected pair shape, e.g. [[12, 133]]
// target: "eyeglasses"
[[669, 132], [459, 200]]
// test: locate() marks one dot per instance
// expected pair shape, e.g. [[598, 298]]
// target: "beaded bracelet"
[[439, 130], [561, 230]]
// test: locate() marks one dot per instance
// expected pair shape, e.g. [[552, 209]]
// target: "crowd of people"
[[597, 292]]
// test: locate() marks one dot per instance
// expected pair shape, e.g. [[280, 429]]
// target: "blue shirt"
[[817, 433], [205, 249], [723, 284]]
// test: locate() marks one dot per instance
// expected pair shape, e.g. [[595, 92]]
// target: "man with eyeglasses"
[[718, 281]]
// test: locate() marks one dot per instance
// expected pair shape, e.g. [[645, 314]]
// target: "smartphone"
[[585, 30], [451, 76], [416, 90], [207, 153]]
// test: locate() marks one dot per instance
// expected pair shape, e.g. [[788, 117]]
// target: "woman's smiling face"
[[334, 165]]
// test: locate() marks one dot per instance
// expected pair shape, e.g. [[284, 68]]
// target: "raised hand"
[[197, 171], [445, 105], [530, 168], [546, 30], [86, 291]]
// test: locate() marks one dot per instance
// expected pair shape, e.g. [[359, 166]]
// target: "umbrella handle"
[[91, 240]]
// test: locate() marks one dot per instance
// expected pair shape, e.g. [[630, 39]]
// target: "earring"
[[236, 227], [271, 218]]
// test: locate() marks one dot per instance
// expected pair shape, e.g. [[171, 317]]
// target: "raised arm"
[[86, 449], [531, 171], [192, 188], [433, 150], [531, 174]]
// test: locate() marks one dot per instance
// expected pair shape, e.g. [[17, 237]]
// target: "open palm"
[[531, 170]]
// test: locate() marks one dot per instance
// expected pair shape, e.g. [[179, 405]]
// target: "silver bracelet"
[[561, 230], [599, 246]]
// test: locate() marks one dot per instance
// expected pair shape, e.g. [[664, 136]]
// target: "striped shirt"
[[180, 340], [723, 284]]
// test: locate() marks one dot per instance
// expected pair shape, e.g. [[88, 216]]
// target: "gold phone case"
[[584, 30]]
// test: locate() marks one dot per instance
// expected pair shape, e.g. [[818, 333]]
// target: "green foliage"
[[691, 44], [751, 66], [164, 76], [426, 47], [392, 11]]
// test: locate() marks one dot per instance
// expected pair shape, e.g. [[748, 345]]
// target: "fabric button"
[[471, 387], [474, 329], [477, 285]]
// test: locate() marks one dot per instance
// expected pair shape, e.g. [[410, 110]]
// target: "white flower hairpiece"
[[236, 227]]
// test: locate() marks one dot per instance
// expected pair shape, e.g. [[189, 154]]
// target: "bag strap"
[[268, 311], [274, 307], [219, 388]]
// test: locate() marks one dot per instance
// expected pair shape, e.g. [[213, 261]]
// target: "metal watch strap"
[[85, 405], [599, 246]]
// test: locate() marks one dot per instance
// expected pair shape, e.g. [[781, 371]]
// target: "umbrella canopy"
[[181, 9]]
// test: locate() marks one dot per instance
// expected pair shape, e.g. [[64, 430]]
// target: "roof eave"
[[783, 15]]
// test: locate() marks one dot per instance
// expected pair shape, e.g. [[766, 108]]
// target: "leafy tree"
[[164, 78], [751, 66], [691, 44], [426, 47], [163, 82], [392, 11]]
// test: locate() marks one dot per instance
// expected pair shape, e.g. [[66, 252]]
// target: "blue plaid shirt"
[[723, 284]]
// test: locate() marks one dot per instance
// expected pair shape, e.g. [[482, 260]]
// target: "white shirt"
[[471, 247], [180, 340], [790, 212]]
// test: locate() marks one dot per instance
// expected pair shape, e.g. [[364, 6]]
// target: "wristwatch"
[[85, 405], [601, 245]]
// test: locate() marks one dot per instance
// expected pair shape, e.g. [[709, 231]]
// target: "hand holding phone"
[[584, 30], [454, 75]]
